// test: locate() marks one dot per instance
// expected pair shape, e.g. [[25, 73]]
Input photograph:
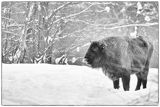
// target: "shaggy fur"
[[119, 57]]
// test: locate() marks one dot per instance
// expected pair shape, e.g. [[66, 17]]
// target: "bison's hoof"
[[116, 87]]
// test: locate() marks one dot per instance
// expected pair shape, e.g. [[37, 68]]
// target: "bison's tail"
[[149, 55]]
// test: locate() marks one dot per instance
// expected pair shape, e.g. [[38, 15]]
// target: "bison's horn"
[[101, 45]]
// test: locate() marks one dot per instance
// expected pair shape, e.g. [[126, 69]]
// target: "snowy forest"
[[60, 32], [42, 42]]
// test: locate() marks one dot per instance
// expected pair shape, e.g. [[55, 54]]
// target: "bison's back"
[[116, 51], [126, 52], [140, 52]]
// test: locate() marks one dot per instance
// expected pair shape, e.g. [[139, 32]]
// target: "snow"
[[44, 84], [78, 49], [147, 18], [107, 9]]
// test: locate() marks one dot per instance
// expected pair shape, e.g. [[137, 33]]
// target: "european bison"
[[119, 57]]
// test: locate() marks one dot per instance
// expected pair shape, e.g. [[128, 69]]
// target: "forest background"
[[60, 32]]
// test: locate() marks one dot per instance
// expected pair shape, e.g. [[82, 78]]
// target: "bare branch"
[[17, 25], [74, 14], [96, 25], [84, 10], [18, 13], [129, 25], [10, 32], [7, 18], [79, 30], [54, 13], [59, 8]]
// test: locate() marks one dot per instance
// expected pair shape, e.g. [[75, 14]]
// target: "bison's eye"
[[95, 49]]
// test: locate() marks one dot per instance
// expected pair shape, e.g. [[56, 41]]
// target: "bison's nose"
[[86, 58]]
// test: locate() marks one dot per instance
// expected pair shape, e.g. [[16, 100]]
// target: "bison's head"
[[95, 54]]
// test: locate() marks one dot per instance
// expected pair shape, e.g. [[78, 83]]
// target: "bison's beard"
[[101, 62], [96, 63]]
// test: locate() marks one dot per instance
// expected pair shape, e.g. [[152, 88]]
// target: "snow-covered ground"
[[44, 84]]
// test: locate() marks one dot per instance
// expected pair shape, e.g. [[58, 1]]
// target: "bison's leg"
[[145, 75], [144, 83], [116, 84], [139, 81], [142, 77], [126, 81]]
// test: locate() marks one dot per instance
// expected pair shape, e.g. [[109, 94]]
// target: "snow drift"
[[43, 84]]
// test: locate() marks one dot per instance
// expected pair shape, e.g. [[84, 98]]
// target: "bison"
[[119, 57]]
